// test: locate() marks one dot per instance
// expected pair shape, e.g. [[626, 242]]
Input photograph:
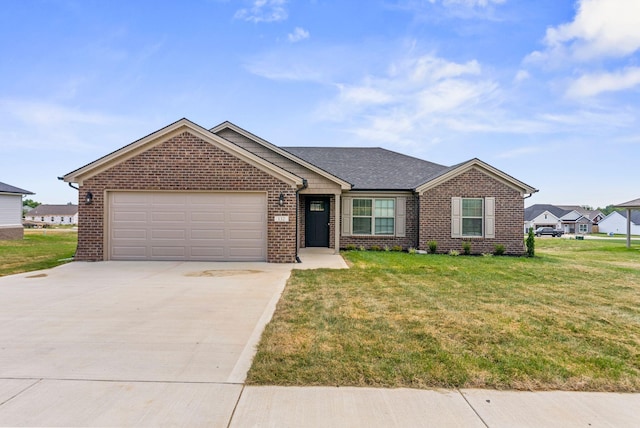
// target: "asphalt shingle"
[[370, 168]]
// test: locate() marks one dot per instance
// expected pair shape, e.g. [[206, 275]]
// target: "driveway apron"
[[131, 343]]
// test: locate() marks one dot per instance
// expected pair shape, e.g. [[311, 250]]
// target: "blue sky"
[[547, 91]]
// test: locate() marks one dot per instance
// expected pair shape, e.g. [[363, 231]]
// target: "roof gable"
[[461, 168], [317, 168], [530, 213], [162, 135]]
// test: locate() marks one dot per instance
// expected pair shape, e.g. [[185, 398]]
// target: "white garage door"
[[187, 226]]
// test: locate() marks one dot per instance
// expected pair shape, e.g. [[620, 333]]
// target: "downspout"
[[304, 186], [419, 199], [70, 184], [73, 187]]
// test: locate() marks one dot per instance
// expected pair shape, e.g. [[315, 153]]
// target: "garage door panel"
[[130, 234], [168, 234], [204, 234], [244, 235], [130, 252], [131, 216], [207, 217], [187, 226], [168, 216], [168, 251]]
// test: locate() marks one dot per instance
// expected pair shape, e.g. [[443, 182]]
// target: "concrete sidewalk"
[[370, 407]]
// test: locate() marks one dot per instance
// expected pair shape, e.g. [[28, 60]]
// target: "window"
[[373, 216], [582, 228], [316, 206], [61, 219], [472, 217]]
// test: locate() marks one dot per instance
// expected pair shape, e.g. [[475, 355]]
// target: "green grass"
[[567, 319], [40, 249]]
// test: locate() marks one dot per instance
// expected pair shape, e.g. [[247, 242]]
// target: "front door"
[[317, 222]]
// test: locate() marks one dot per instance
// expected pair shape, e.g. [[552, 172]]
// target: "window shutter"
[[456, 217], [346, 216], [401, 217], [490, 217]]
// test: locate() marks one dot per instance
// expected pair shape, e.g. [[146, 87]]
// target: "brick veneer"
[[435, 214], [409, 241], [186, 163]]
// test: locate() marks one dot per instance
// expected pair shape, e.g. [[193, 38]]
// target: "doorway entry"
[[317, 222]]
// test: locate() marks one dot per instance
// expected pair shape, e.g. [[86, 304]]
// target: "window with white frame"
[[373, 216], [582, 228], [472, 216]]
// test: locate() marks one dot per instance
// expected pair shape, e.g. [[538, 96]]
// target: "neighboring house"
[[568, 218], [616, 222], [11, 211], [188, 193], [54, 214]]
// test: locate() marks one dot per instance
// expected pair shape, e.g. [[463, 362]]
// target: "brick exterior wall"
[[409, 241], [186, 163], [11, 233], [435, 214]]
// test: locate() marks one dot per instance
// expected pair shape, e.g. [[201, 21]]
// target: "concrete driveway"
[[131, 343]]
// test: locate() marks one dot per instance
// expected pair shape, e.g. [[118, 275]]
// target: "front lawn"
[[567, 319], [40, 249]]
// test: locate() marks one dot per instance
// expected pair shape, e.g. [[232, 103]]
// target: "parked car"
[[548, 231]]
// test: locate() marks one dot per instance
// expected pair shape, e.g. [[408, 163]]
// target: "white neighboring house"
[[54, 214], [616, 222], [11, 211]]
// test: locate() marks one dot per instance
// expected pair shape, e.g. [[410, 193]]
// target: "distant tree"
[[587, 207], [608, 209], [30, 203]]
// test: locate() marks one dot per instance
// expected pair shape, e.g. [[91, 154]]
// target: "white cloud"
[[47, 126], [590, 85], [415, 97], [298, 34], [264, 11], [601, 28], [521, 76]]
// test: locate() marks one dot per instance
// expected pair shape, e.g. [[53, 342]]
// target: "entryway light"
[[89, 198], [281, 199]]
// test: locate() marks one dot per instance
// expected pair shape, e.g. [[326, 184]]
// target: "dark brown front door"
[[317, 222]]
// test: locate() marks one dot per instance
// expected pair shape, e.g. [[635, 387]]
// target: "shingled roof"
[[535, 210], [7, 188], [45, 210], [635, 216], [370, 168]]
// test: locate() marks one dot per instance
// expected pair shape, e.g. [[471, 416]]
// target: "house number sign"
[[281, 219]]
